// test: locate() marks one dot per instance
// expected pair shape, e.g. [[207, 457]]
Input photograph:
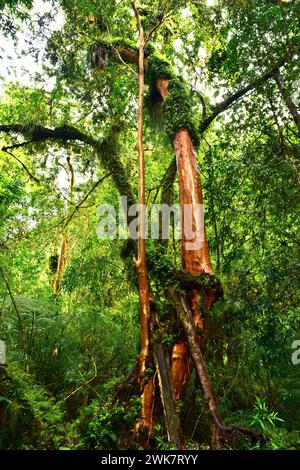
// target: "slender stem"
[[31, 176], [23, 339], [146, 386], [78, 206]]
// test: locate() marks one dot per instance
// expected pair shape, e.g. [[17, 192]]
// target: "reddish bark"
[[196, 259], [181, 367], [162, 86], [145, 424], [223, 433], [146, 384]]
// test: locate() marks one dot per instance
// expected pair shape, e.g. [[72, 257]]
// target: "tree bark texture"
[[194, 245]]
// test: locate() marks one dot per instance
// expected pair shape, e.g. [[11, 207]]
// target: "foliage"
[[263, 416], [30, 417]]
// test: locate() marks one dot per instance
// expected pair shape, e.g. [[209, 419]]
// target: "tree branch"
[[123, 61], [78, 206], [224, 434], [39, 133], [287, 99], [157, 25], [282, 3], [106, 150], [16, 146], [31, 176], [225, 104]]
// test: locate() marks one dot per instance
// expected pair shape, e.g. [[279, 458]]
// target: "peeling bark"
[[181, 368], [195, 261], [190, 191]]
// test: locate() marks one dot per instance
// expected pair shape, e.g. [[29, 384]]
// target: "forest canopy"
[[110, 339]]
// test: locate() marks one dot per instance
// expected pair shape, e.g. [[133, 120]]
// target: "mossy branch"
[[200, 282], [107, 150]]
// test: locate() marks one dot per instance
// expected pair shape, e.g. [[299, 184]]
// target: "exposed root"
[[225, 435]]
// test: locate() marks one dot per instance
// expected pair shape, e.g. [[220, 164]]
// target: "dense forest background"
[[69, 301]]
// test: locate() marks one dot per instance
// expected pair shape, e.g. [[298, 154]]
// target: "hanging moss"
[[167, 190], [155, 108], [108, 155], [158, 67], [101, 51], [53, 263], [168, 332], [178, 108], [178, 111], [119, 42]]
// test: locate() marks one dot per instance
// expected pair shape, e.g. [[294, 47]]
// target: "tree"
[[257, 102]]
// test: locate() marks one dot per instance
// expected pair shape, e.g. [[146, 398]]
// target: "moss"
[[127, 44], [200, 282], [167, 190], [168, 332], [178, 111], [148, 373], [180, 281], [159, 67], [53, 263], [30, 418], [108, 153], [178, 108]]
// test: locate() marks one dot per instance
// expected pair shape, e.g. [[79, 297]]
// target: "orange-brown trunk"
[[146, 384], [181, 368], [195, 259]]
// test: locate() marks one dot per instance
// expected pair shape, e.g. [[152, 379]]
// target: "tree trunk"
[[288, 100], [146, 384], [223, 433], [61, 263], [65, 239], [166, 393], [194, 247]]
